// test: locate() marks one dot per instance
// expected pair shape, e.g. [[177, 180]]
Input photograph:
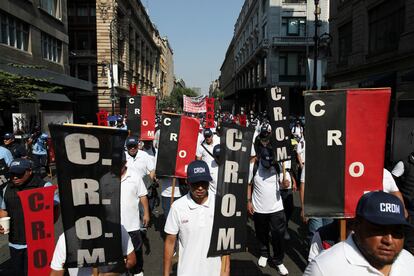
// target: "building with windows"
[[272, 43], [166, 67], [34, 42], [113, 45], [373, 46]]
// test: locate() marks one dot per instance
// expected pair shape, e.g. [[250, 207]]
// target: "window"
[[293, 26], [52, 7], [386, 23], [292, 65], [344, 43], [14, 32], [84, 71], [264, 6], [264, 31], [81, 13], [51, 48]]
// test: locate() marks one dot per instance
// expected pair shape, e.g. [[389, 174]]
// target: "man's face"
[[8, 141], [132, 149], [380, 244], [20, 179], [209, 139], [199, 190]]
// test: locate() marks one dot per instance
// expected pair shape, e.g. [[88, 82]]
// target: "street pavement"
[[242, 264]]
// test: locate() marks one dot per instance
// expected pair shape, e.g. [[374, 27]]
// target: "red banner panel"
[[102, 117], [148, 117], [210, 113], [38, 224], [243, 120], [187, 145], [345, 145], [133, 90]]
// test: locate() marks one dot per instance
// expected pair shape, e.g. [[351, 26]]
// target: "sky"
[[199, 32]]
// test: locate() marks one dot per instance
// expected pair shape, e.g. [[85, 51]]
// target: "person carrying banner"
[[262, 140], [139, 161], [376, 245], [288, 185], [120, 122], [38, 143], [264, 202], [191, 217], [404, 173], [205, 148], [59, 258], [21, 178], [17, 150]]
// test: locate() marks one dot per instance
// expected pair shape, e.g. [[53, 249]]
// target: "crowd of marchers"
[[380, 238]]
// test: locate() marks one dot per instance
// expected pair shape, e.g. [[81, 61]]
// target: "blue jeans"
[[315, 223], [166, 204]]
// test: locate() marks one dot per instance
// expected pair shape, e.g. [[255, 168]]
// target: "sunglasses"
[[17, 175], [132, 146]]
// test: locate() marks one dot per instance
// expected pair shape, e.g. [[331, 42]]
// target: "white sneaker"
[[282, 270], [139, 274], [262, 261]]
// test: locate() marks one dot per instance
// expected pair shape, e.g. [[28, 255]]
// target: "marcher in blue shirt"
[[6, 155], [38, 142]]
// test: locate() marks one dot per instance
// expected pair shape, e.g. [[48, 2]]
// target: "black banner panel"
[[325, 159], [88, 163], [278, 110], [402, 138], [134, 115], [230, 217]]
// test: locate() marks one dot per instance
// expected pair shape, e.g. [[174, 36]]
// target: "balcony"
[[283, 41], [83, 53]]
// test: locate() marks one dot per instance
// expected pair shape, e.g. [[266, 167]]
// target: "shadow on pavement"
[[245, 268]]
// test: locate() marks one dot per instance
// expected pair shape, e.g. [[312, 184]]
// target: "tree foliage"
[[174, 102], [13, 87]]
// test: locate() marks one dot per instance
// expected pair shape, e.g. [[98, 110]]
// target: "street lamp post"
[[112, 66], [316, 40]]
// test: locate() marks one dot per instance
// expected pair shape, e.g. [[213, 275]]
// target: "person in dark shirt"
[[16, 149]]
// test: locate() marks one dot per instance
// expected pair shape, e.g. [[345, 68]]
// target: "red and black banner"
[[278, 110], [133, 91], [230, 217], [88, 163], [210, 113], [177, 145], [345, 144], [102, 117], [37, 207], [141, 116]]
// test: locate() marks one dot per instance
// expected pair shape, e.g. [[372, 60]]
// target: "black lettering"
[[40, 258], [38, 230], [34, 203]]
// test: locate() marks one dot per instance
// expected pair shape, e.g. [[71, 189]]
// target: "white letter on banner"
[[150, 133], [88, 228], [276, 95], [144, 122], [232, 135], [281, 153], [98, 256], [313, 108], [230, 171], [173, 137], [74, 150], [131, 100], [352, 169], [228, 205], [225, 240], [85, 188], [167, 121], [137, 111], [182, 153], [334, 135], [280, 134], [277, 113]]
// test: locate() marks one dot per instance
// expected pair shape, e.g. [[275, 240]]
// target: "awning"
[[52, 97], [50, 76]]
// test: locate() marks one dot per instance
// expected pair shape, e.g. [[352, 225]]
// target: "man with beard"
[[375, 247]]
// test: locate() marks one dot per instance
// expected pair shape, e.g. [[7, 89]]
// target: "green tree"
[[13, 87], [174, 102], [218, 95]]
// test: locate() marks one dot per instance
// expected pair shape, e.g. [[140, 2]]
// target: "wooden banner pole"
[[342, 225], [172, 190], [225, 265], [95, 271]]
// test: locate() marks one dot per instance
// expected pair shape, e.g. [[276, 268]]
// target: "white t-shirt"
[[300, 149], [266, 197], [344, 259], [166, 187], [388, 182], [142, 163], [193, 222], [202, 151], [213, 167], [302, 175], [398, 170], [132, 188], [59, 256]]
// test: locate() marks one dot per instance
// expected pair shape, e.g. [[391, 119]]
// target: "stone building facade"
[[166, 68], [272, 42]]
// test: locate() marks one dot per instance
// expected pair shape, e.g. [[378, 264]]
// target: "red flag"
[[38, 224], [102, 116], [133, 90], [187, 145], [243, 120], [148, 117], [210, 113]]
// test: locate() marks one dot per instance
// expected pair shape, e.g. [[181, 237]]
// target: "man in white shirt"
[[264, 202], [139, 161], [59, 259], [192, 218], [375, 247], [205, 149]]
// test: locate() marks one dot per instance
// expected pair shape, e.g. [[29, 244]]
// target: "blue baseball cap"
[[198, 171], [8, 136], [381, 208], [20, 165], [131, 141], [216, 151], [208, 132], [266, 158]]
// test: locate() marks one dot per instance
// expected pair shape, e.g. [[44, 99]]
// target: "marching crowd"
[[383, 225]]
